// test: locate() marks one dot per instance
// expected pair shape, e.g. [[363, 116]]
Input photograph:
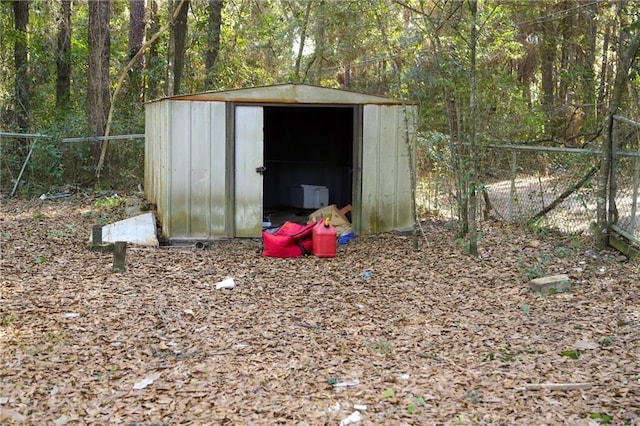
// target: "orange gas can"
[[324, 239]]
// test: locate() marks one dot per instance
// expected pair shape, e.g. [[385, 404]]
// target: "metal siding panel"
[[370, 167], [218, 168], [200, 171], [180, 147], [249, 138], [230, 167], [356, 214], [386, 182], [388, 171], [164, 174], [149, 139], [155, 177]]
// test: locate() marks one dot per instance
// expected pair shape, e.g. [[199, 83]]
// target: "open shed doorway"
[[306, 145]]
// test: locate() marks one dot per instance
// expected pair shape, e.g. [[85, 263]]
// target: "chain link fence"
[[549, 187], [625, 179]]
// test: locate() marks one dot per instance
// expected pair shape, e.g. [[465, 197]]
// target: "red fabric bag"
[[290, 240]]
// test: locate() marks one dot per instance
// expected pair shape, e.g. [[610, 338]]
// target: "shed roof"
[[288, 94]]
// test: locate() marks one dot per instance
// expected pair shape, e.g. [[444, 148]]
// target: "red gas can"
[[324, 239]]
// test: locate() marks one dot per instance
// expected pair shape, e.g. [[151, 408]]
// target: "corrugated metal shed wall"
[[386, 169], [197, 173], [155, 160], [185, 167]]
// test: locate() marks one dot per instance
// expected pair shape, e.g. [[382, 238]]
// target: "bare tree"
[[213, 43], [303, 39], [63, 57], [98, 99], [136, 38], [152, 58], [177, 47], [473, 143], [21, 51], [123, 75], [319, 39]]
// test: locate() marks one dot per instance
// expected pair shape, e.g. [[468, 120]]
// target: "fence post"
[[119, 254], [612, 211], [634, 201], [512, 197], [97, 235]]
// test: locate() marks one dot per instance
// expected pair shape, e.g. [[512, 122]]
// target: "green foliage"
[[605, 341], [411, 408], [7, 319], [602, 418], [56, 234], [382, 347], [475, 397], [40, 258], [573, 354], [534, 271], [108, 202], [389, 393], [562, 252], [505, 355], [419, 52]]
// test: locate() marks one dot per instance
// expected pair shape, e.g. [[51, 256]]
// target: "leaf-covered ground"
[[432, 336]]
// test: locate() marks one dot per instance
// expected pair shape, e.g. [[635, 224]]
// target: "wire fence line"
[[555, 187], [31, 163], [551, 187]]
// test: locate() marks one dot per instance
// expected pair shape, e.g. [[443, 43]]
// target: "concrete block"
[[551, 284]]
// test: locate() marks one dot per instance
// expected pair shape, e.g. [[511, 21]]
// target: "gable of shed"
[[290, 94]]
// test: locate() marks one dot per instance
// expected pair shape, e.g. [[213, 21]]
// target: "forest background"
[[526, 72]]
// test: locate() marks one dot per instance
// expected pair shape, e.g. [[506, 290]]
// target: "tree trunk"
[[136, 26], [604, 71], [589, 59], [123, 75], [473, 149], [98, 98], [63, 58], [566, 50], [136, 38], [547, 61], [213, 44], [626, 60], [177, 48], [152, 59], [319, 42], [21, 51], [303, 39]]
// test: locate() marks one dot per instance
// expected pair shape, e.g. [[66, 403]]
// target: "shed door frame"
[[235, 228]]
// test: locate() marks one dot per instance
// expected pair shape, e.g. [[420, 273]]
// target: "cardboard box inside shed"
[[336, 218]]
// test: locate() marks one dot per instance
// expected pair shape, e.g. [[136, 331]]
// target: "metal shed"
[[216, 161]]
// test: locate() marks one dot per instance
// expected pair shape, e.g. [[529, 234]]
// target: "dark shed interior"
[[310, 145]]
